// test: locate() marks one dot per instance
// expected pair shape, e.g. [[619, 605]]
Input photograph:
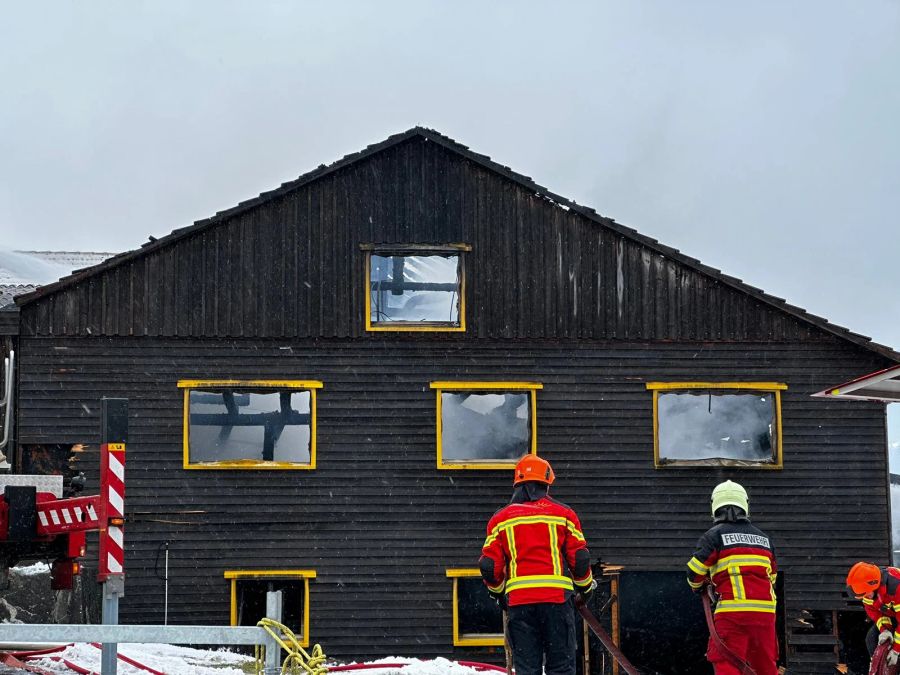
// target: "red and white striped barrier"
[[56, 516], [112, 506]]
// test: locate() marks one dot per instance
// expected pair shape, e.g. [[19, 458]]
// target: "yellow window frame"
[[416, 249], [234, 575], [765, 387], [252, 465], [469, 639], [476, 387]]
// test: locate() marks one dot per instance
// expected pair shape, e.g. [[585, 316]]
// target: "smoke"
[[485, 426], [706, 425], [17, 267]]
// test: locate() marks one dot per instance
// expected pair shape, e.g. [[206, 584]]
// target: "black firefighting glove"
[[499, 598], [588, 591]]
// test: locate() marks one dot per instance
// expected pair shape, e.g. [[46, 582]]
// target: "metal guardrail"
[[110, 634]]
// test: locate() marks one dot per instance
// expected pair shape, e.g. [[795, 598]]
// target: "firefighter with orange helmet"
[[738, 560], [879, 590], [533, 560]]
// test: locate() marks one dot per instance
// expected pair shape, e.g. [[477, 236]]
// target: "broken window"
[[419, 288], [248, 597], [249, 424], [485, 425], [708, 424], [477, 620]]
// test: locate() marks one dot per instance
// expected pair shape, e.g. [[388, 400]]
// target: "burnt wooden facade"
[[555, 294]]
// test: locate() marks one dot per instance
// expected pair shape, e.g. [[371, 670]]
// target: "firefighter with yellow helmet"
[[879, 590], [533, 560], [738, 560]]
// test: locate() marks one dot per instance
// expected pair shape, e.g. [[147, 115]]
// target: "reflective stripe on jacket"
[[739, 560], [532, 548]]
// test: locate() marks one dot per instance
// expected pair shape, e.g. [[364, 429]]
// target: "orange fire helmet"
[[864, 578], [532, 467]]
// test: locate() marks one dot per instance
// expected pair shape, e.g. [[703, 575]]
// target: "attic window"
[[249, 424], [415, 288], [477, 620], [717, 424], [248, 597], [485, 425]]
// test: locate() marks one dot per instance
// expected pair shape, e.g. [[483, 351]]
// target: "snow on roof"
[[23, 271], [8, 292], [44, 267]]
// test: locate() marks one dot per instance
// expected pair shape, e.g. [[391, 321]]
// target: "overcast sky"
[[761, 138]]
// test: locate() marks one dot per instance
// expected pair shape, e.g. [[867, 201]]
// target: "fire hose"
[[604, 637], [729, 655], [879, 664]]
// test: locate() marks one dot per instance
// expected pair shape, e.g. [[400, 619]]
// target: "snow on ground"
[[31, 570], [169, 659], [175, 660]]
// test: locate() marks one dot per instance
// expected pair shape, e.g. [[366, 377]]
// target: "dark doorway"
[[663, 629]]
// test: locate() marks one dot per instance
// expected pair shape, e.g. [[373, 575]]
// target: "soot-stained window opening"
[[248, 597], [415, 287], [477, 620], [717, 424], [249, 424], [485, 425]]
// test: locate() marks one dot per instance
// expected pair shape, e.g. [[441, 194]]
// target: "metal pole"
[[112, 589], [166, 611], [111, 570], [274, 610]]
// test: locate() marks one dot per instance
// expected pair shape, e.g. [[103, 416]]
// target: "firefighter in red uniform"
[[739, 561], [533, 559], [879, 590]]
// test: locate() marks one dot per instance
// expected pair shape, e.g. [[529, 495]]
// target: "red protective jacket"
[[533, 550], [885, 606], [739, 560]]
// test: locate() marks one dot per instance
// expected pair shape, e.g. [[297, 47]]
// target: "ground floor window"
[[717, 424], [248, 597], [249, 424], [477, 620], [485, 425]]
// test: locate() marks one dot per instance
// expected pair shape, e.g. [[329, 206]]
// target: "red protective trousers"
[[751, 637]]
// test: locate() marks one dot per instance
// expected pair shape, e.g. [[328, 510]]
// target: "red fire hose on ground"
[[19, 660], [732, 658]]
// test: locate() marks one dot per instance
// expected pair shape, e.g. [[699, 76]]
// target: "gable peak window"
[[415, 287]]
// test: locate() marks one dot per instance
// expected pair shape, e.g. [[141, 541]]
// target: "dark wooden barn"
[[329, 383]]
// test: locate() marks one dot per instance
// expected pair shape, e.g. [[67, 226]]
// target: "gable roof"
[[526, 182]]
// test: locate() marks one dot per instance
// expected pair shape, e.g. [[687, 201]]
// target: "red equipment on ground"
[[38, 523]]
